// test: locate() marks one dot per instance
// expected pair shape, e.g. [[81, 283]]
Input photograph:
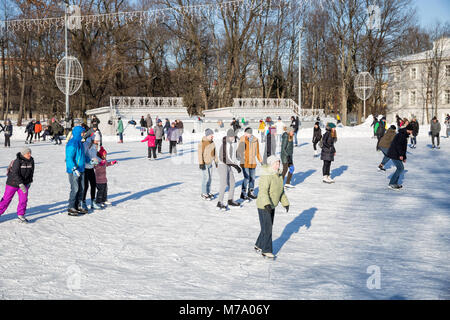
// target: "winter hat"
[[248, 130], [331, 125], [393, 127], [102, 152], [25, 151], [208, 132], [272, 159], [317, 123], [230, 133]]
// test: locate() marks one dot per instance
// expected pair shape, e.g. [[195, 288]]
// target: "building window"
[[396, 74], [447, 97], [397, 98], [447, 71], [412, 98], [413, 73]]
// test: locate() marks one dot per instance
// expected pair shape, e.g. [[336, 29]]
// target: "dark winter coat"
[[317, 135], [386, 140], [415, 126], [328, 149], [235, 125], [21, 172], [57, 129], [399, 145], [381, 130], [295, 124], [8, 130], [143, 123], [30, 127], [287, 149]]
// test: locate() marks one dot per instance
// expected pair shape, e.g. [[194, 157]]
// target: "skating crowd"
[[86, 161]]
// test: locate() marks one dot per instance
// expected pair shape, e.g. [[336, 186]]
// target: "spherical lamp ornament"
[[364, 86], [69, 75]]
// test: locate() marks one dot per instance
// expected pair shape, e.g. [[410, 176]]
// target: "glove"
[[268, 207], [237, 168], [113, 162], [23, 188], [75, 172], [94, 162], [202, 166], [291, 169], [287, 208]]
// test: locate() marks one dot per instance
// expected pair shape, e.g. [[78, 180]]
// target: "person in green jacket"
[[120, 130], [271, 192]]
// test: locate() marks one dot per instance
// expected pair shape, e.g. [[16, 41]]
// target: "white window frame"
[[446, 97], [412, 103]]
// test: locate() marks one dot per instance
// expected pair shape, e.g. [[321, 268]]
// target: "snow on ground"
[[160, 241]]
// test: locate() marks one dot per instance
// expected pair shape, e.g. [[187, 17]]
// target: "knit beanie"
[[25, 151], [208, 132], [249, 130], [272, 159]]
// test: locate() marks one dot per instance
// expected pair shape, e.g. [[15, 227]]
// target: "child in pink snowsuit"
[[100, 178], [151, 142], [20, 177]]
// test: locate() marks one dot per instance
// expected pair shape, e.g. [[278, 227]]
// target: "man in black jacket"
[[397, 153], [415, 133], [20, 176], [29, 129]]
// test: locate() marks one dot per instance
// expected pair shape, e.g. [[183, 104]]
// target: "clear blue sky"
[[429, 11]]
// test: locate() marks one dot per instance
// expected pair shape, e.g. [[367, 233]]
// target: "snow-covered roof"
[[444, 46]]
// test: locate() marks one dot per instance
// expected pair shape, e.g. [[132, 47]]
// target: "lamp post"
[[300, 69]]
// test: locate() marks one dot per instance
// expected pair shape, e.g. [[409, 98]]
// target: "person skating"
[[374, 124], [166, 127], [279, 126], [380, 128], [37, 130], [173, 136], [159, 134], [90, 150], [262, 129], [120, 129], [447, 124], [20, 177], [75, 163], [384, 144], [415, 133], [151, 144], [295, 124], [149, 122], [57, 131], [236, 126], [271, 193], [101, 180], [143, 124], [287, 152], [435, 129], [29, 130], [45, 133], [328, 151], [8, 131], [226, 163], [270, 147], [206, 156], [397, 153], [247, 153], [180, 126], [317, 136]]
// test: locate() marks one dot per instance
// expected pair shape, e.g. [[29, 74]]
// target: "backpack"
[[9, 167]]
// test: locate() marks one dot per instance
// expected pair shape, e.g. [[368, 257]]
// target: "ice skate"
[[381, 168], [22, 219], [233, 203], [221, 206], [268, 255]]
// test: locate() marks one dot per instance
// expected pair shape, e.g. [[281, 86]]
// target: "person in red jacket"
[[151, 143]]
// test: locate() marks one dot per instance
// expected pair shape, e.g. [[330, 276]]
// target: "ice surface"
[[161, 241]]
